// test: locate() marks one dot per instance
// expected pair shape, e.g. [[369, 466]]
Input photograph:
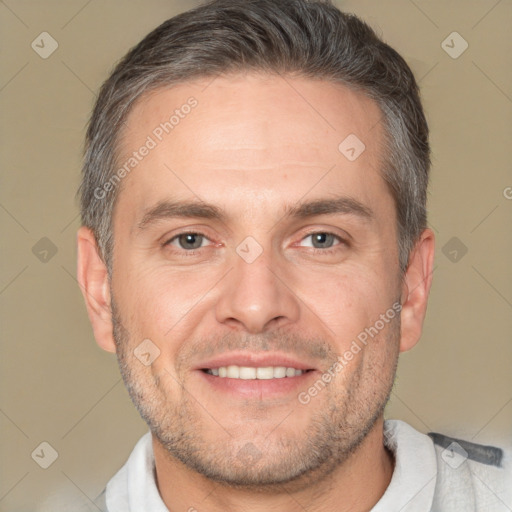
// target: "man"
[[254, 248]]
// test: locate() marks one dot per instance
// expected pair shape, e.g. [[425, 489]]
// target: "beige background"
[[58, 386]]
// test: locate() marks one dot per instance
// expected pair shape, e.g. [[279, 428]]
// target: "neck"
[[356, 485]]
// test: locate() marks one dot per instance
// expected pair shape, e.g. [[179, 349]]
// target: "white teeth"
[[266, 372], [290, 372], [233, 372], [247, 373], [279, 372], [251, 373]]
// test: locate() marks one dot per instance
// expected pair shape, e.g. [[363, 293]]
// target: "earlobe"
[[415, 289], [94, 282]]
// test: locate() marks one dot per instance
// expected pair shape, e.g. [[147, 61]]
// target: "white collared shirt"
[[449, 475]]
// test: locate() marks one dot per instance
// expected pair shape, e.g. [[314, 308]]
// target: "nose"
[[257, 296]]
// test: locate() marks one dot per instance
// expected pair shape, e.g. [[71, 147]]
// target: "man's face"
[[234, 269]]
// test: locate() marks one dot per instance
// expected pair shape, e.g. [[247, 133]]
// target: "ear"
[[415, 289], [94, 282]]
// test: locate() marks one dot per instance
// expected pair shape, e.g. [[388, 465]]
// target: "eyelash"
[[314, 250], [329, 250], [182, 252]]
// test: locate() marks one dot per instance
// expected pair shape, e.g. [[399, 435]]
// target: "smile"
[[252, 373]]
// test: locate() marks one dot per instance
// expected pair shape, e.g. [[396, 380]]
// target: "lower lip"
[[260, 388]]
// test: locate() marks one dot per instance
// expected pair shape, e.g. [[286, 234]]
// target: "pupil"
[[190, 241], [323, 240]]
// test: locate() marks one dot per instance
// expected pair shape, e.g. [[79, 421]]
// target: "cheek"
[[346, 302], [163, 305]]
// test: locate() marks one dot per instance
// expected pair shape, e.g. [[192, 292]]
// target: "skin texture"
[[254, 147]]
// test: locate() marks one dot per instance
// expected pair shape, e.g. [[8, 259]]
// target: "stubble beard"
[[291, 463]]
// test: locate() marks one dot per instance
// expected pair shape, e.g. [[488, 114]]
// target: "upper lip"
[[255, 360]]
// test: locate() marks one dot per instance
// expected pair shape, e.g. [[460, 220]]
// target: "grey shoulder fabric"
[[490, 455], [471, 476]]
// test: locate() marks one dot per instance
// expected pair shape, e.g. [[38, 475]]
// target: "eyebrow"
[[185, 209], [339, 205], [192, 209]]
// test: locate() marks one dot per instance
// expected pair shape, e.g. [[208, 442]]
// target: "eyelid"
[[339, 239], [186, 230], [169, 239], [339, 234], [342, 239]]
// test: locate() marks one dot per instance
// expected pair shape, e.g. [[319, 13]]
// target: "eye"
[[321, 240], [188, 241]]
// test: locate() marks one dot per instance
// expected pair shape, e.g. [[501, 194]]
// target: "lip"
[[254, 360], [285, 388]]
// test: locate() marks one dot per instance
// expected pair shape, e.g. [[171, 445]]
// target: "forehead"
[[250, 132], [263, 104]]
